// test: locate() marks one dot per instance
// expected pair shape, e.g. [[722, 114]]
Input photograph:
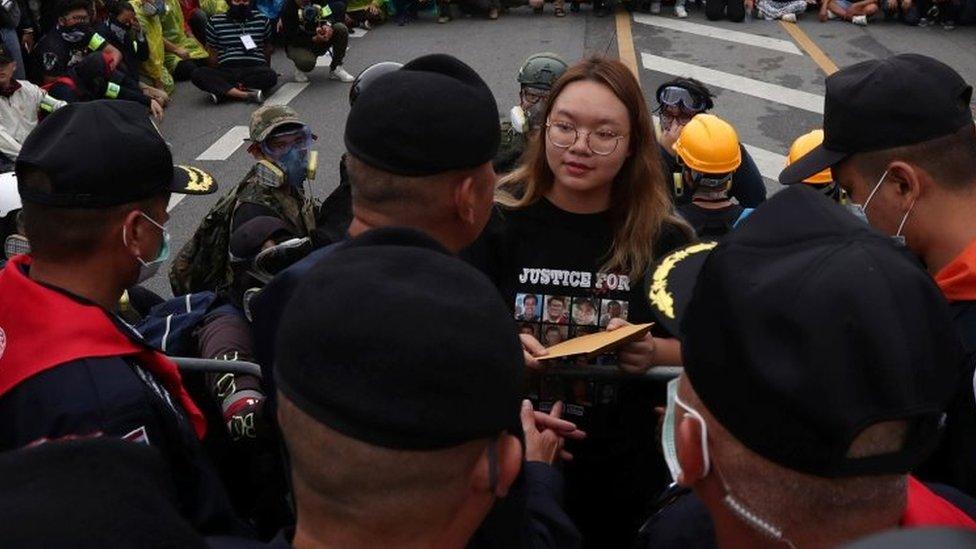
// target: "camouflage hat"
[[268, 118], [541, 70]]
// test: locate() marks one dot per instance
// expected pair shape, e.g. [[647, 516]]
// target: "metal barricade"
[[592, 371], [562, 369], [186, 364]]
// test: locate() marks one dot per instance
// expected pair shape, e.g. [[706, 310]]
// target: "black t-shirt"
[[710, 223], [555, 257]]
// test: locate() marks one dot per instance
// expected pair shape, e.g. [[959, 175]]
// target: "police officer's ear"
[[908, 181], [498, 466], [691, 453], [473, 195]]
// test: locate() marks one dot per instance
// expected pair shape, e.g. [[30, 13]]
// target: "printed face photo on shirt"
[[528, 307], [552, 334], [584, 311], [529, 329], [578, 331], [612, 308], [557, 309]]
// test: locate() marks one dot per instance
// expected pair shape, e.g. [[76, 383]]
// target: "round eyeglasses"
[[564, 135]]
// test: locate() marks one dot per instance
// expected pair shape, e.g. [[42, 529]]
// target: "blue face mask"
[[295, 164]]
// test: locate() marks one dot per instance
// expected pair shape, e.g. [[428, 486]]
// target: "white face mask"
[[860, 211], [148, 269], [670, 448], [668, 432]]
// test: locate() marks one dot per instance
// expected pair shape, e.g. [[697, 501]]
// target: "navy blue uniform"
[[532, 513], [116, 398]]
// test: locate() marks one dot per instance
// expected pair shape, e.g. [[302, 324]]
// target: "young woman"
[[583, 218]]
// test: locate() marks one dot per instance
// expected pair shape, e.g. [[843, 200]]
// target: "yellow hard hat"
[[804, 144], [708, 144]]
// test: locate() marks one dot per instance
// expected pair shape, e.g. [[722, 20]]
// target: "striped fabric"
[[224, 35]]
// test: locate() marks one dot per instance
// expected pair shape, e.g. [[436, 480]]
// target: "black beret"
[[100, 492], [393, 341], [433, 115]]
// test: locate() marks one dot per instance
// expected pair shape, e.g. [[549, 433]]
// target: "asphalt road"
[[766, 83]]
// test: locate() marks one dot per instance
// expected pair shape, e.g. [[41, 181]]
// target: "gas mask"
[[525, 120], [295, 162]]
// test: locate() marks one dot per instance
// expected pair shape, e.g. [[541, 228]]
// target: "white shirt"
[[18, 116]]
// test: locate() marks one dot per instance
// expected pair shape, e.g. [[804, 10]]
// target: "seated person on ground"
[[20, 104], [239, 42]]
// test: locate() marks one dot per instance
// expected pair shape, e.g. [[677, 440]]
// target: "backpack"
[[203, 263]]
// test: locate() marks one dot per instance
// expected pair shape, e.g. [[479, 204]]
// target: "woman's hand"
[[636, 357], [531, 348]]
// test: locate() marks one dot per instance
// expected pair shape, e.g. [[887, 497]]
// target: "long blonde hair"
[[639, 199]]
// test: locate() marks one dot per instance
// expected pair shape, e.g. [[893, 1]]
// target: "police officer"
[[335, 214], [95, 180], [708, 148], [822, 181], [536, 77]]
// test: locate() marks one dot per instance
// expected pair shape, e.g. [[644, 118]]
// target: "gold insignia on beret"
[[200, 181], [659, 295]]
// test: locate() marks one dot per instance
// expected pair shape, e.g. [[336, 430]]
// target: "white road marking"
[[287, 92], [226, 145], [357, 33], [768, 162], [748, 39], [733, 82], [174, 199]]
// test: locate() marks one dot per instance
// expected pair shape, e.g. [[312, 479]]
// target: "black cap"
[[246, 240], [5, 56], [393, 341], [885, 103], [431, 116], [805, 326], [100, 492], [99, 154]]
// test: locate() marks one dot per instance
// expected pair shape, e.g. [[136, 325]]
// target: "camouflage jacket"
[[288, 203], [511, 148], [203, 263]]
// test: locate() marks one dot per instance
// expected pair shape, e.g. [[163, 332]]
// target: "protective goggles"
[[675, 96], [280, 143]]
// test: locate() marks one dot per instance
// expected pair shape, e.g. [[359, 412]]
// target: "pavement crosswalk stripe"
[[287, 92], [733, 82], [174, 199], [768, 162], [748, 39], [226, 145]]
